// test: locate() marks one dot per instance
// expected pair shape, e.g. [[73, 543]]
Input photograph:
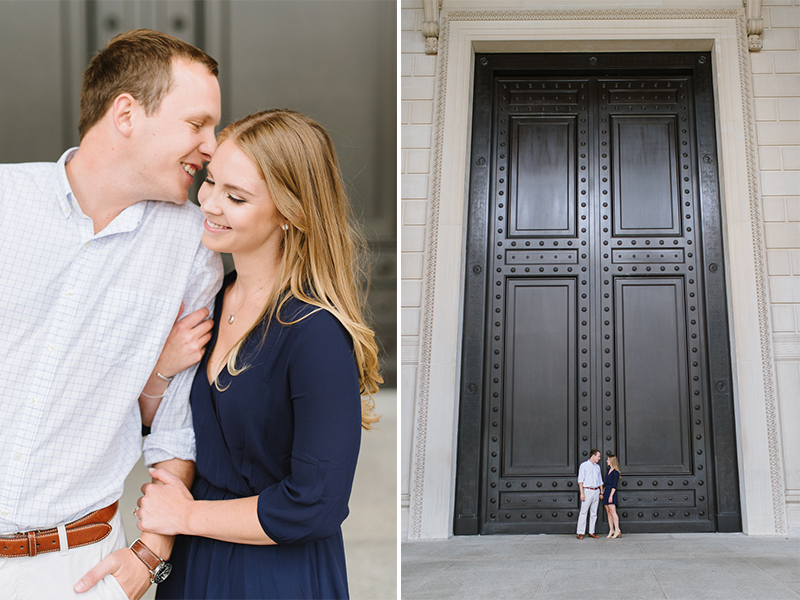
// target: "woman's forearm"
[[227, 520], [150, 398]]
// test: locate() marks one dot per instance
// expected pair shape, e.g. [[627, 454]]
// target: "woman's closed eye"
[[235, 200]]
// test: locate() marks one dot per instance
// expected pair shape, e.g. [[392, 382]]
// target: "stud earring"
[[285, 227]]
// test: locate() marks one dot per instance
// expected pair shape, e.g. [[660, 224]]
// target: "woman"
[[277, 400], [610, 497]]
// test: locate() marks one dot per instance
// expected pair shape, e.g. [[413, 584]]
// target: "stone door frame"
[[723, 33]]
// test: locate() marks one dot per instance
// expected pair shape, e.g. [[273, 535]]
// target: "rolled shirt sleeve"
[[172, 433]]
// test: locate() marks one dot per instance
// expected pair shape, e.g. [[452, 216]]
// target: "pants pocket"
[[113, 589]]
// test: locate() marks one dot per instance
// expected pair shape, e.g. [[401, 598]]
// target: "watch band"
[[158, 567]]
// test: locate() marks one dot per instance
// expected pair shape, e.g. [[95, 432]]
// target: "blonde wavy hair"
[[615, 463], [322, 257]]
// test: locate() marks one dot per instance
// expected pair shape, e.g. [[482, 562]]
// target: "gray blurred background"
[[333, 60]]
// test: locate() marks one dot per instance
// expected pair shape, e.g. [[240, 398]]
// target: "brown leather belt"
[[88, 530]]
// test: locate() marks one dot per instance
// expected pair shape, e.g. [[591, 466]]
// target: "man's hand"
[[583, 497], [129, 571]]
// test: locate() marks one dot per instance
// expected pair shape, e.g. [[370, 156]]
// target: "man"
[[98, 252], [590, 482]]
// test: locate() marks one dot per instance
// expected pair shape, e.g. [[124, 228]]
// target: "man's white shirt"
[[590, 475], [83, 318]]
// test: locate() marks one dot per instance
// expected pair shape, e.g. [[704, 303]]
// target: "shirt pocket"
[[128, 326]]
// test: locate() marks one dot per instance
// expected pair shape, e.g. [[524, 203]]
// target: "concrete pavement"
[[634, 567]]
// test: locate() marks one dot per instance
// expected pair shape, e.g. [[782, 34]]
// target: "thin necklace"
[[230, 316]]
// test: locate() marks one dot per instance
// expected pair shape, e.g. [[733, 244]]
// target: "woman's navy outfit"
[[287, 430], [612, 479]]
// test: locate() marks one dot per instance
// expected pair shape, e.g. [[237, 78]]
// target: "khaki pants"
[[590, 504], [51, 576]]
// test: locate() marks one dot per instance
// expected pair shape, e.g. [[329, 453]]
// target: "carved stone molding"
[[409, 354], [755, 24], [744, 43], [430, 26], [787, 347]]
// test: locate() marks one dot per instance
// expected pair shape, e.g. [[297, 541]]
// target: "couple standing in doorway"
[[593, 489]]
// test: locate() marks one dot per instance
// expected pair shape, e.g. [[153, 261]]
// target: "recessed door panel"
[[542, 198], [645, 175], [652, 376], [539, 411]]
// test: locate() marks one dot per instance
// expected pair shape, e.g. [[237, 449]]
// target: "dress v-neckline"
[[213, 342]]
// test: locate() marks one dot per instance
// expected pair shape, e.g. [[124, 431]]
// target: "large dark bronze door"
[[595, 312]]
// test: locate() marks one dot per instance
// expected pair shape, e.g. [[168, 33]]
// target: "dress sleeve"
[[172, 434], [612, 480], [311, 502]]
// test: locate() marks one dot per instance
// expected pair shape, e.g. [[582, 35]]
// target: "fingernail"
[[79, 587]]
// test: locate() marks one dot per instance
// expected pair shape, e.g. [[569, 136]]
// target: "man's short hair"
[[594, 451], [137, 62]]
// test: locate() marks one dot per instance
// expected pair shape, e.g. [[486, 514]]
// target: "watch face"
[[161, 572]]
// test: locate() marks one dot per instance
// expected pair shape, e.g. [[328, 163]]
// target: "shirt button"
[[87, 245], [51, 347], [4, 512], [69, 294], [17, 456], [33, 401]]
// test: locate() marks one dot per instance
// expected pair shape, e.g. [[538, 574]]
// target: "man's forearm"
[[183, 470]]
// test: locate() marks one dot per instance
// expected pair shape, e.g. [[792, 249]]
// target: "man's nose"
[[209, 145]]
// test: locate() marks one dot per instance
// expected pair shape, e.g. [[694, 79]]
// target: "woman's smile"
[[215, 227]]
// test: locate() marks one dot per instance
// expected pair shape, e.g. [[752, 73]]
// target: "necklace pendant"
[[230, 319]]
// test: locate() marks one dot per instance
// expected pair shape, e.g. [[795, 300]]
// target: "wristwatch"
[[159, 568]]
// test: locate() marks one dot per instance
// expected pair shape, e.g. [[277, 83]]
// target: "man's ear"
[[123, 111]]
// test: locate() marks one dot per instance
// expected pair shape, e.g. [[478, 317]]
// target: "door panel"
[[652, 399], [587, 220], [542, 194], [540, 378], [646, 198]]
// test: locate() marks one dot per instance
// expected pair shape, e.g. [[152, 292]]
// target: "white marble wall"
[[417, 83], [776, 90]]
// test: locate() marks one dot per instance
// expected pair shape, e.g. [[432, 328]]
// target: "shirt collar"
[[128, 220], [65, 195]]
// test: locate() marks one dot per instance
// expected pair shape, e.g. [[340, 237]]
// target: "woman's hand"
[[184, 347], [186, 342], [165, 506]]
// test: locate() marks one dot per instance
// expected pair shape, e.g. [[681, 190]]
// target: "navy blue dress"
[[612, 480], [288, 430]]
